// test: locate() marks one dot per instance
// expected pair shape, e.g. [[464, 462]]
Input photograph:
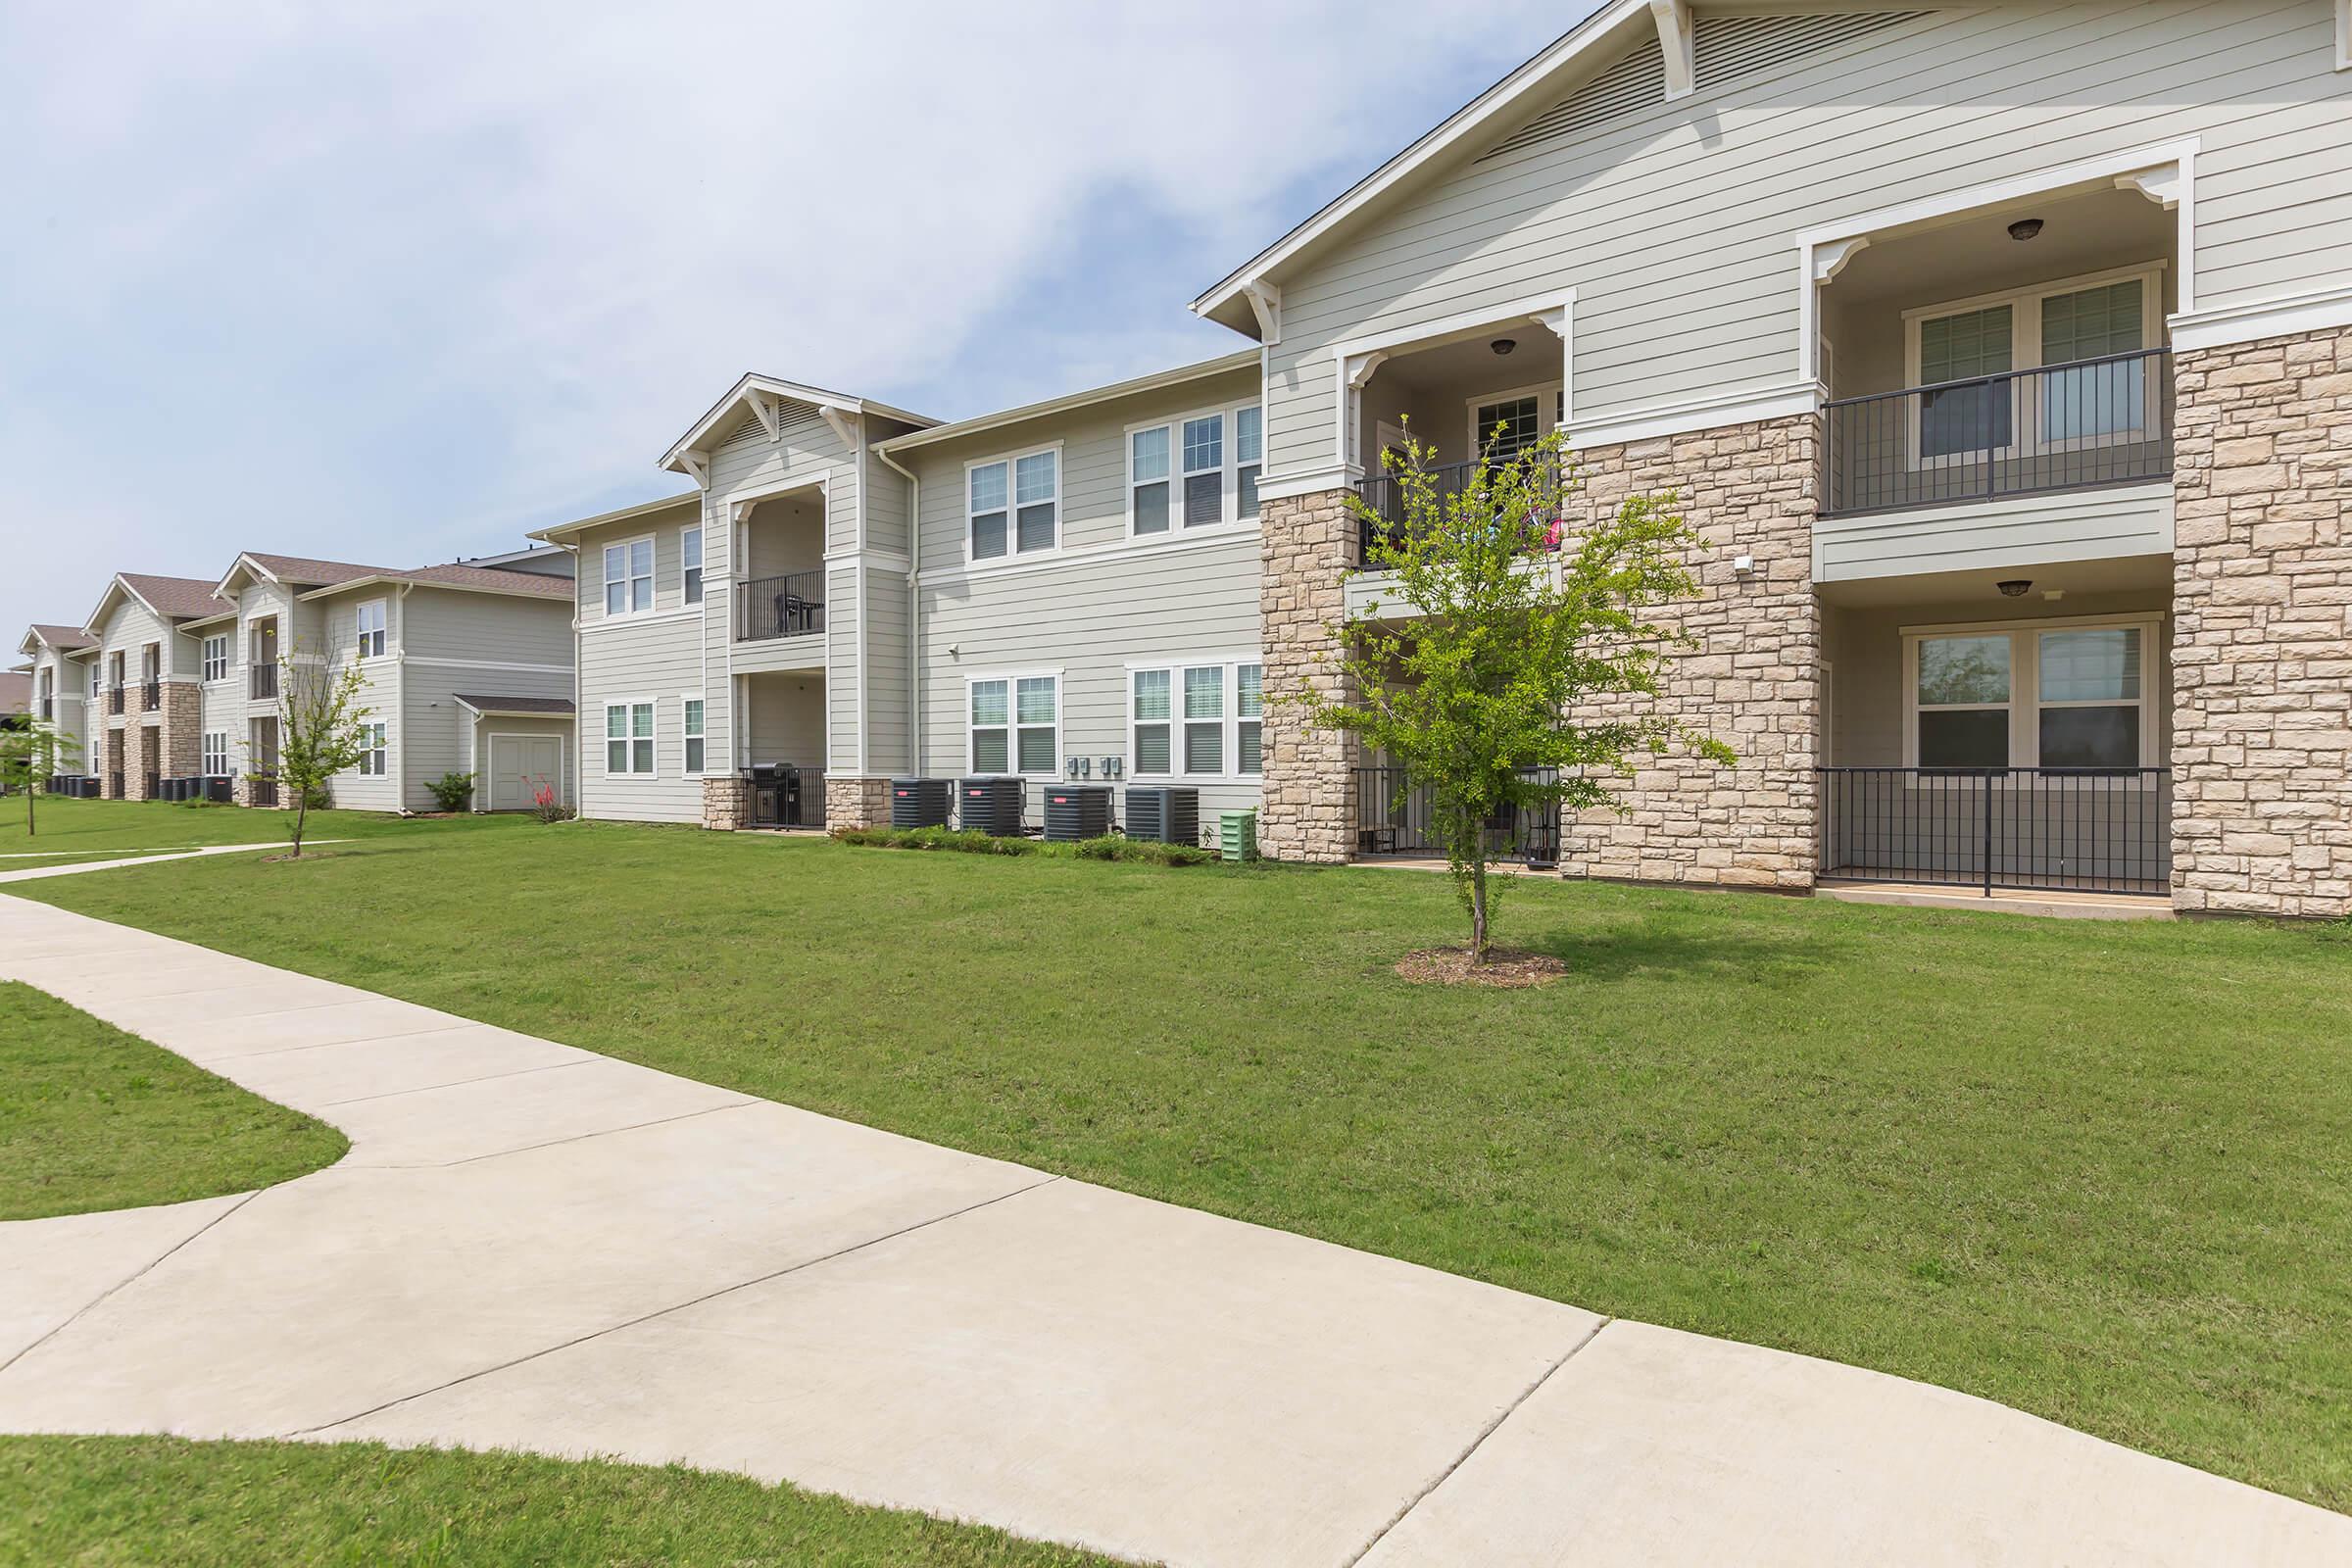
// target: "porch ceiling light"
[[1504, 345], [2025, 228], [2015, 587]]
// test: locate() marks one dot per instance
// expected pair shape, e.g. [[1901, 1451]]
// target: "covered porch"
[[1999, 731], [780, 747]]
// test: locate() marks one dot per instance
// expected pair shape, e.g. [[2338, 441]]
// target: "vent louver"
[[1723, 49]]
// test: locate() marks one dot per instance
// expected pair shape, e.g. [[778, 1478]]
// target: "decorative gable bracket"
[[1675, 41], [698, 469], [1265, 302], [843, 425]]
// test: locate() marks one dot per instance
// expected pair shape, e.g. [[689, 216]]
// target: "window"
[[1198, 471], [1503, 429], [629, 737], [689, 554], [94, 680], [2045, 694], [1957, 348], [372, 629], [1248, 682], [371, 760], [1015, 725], [693, 735], [630, 577], [2093, 400], [1147, 480], [1012, 505], [216, 662], [1248, 456], [1152, 752], [1205, 471], [2053, 328], [214, 750], [1197, 720]]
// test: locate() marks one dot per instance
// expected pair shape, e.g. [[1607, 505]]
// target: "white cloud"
[[391, 285]]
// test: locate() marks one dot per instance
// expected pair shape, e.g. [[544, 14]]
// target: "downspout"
[[400, 708], [914, 613]]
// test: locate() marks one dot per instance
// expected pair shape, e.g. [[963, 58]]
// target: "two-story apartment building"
[[2000, 354], [464, 668]]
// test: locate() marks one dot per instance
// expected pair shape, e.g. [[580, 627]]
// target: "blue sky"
[[395, 284]]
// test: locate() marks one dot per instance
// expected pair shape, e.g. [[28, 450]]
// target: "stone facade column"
[[726, 802], [2262, 631], [110, 764], [857, 801], [1307, 807], [1754, 679], [138, 744], [183, 728]]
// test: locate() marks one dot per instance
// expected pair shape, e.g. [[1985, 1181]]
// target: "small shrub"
[[1111, 847], [450, 790], [547, 807], [1141, 851]]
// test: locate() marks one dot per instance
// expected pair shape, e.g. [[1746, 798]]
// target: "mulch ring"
[[1505, 967]]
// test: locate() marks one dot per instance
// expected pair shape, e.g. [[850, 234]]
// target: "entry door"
[[519, 765]]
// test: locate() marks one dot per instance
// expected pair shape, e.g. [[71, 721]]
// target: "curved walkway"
[[534, 1246]]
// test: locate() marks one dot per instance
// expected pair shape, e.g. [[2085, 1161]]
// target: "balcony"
[[2061, 427], [1385, 496], [263, 681], [151, 696], [113, 698], [790, 606], [2047, 829]]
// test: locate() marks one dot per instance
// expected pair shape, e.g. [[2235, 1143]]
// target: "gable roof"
[[1227, 303], [169, 598], [753, 382], [558, 533], [60, 639], [290, 569], [472, 579], [517, 706], [1247, 359]]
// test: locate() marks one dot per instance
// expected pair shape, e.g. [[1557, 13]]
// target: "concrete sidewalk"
[[534, 1246]]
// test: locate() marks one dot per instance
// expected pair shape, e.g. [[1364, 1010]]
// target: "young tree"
[[28, 755], [1505, 636], [319, 730]]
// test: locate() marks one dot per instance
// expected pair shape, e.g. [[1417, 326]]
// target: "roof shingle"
[[177, 596]]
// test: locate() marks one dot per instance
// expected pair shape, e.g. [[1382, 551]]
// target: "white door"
[[519, 767]]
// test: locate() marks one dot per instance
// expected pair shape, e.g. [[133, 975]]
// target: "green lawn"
[[124, 1500], [116, 827], [2100, 1171], [92, 1118]]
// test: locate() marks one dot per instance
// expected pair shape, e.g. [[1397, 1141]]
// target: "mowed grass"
[[100, 828], [2102, 1172], [93, 1118], [93, 1501]]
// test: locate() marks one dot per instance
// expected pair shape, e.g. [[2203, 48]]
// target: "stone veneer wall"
[[854, 801], [726, 802], [2261, 635], [1306, 808], [183, 728], [113, 758], [1753, 680]]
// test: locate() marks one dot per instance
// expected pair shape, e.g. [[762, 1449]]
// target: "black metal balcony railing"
[[785, 796], [1385, 496], [2059, 427], [1392, 819], [151, 696], [2078, 829], [114, 786], [790, 606], [113, 698], [265, 680]]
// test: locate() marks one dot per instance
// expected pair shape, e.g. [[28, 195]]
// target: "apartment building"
[[464, 667], [2000, 354]]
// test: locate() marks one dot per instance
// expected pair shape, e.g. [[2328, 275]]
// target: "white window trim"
[[603, 737], [2025, 355], [684, 736], [2025, 702], [1012, 680], [361, 635], [227, 658], [1230, 666], [702, 590], [1232, 518], [206, 756], [1547, 395], [653, 575], [1014, 553]]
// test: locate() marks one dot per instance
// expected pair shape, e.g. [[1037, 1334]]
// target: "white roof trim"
[[105, 600], [1225, 364], [555, 533], [243, 563], [1476, 116], [389, 579], [515, 712], [814, 396]]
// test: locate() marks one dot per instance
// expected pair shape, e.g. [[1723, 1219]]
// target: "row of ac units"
[[995, 804]]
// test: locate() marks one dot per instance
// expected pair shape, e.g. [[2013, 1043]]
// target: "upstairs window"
[[372, 629], [1198, 471], [987, 514], [690, 556], [1037, 498], [630, 577], [1014, 506], [215, 665]]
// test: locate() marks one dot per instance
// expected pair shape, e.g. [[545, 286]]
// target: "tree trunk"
[[301, 812], [1478, 910]]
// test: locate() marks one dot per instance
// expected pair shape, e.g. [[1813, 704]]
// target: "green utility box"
[[1237, 834]]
